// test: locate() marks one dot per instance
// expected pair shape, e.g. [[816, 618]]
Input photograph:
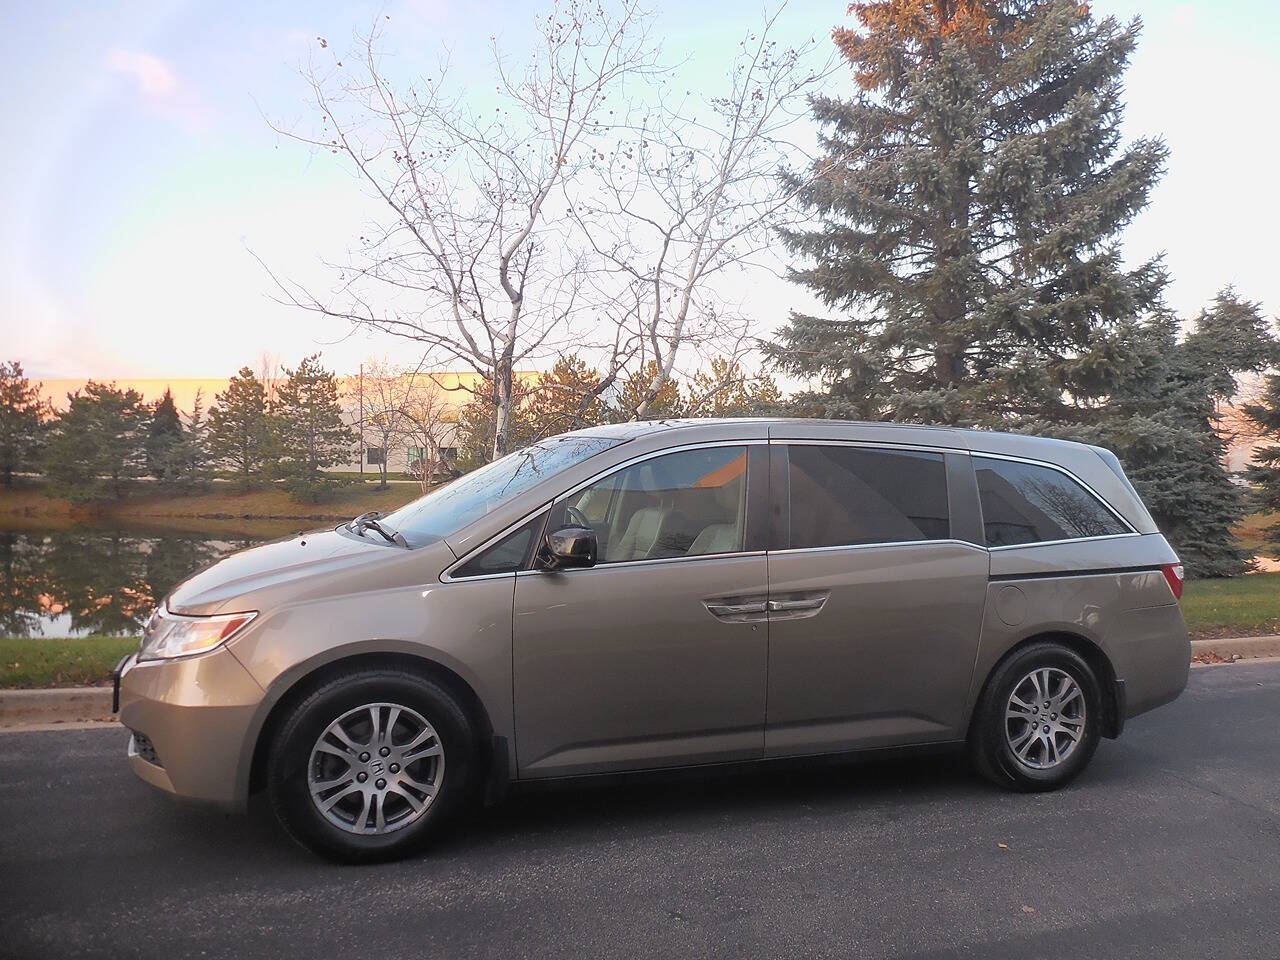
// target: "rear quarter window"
[[1026, 503]]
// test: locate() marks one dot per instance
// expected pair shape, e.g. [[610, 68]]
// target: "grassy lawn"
[[1240, 607], [59, 661]]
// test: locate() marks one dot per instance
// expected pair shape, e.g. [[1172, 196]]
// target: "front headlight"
[[168, 635]]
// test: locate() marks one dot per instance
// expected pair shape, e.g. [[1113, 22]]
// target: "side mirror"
[[570, 546]]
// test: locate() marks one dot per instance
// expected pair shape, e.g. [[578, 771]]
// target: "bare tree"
[[388, 392], [428, 419], [689, 195], [470, 260]]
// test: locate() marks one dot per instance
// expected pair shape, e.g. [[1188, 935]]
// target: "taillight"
[[1173, 575]]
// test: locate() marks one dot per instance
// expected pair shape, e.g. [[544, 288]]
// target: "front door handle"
[[733, 610]]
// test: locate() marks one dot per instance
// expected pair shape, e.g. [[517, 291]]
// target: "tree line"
[[106, 437]]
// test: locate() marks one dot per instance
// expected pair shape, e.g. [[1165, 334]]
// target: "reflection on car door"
[[875, 608], [655, 656]]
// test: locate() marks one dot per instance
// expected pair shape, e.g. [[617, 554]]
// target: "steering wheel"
[[577, 517]]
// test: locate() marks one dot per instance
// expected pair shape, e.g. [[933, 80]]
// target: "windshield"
[[468, 498]]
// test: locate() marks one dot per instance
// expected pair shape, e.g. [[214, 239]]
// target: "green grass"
[[1241, 607], [27, 662]]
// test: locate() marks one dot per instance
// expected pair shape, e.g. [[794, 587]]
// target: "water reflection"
[[68, 583]]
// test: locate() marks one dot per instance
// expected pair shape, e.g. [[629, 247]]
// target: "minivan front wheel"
[[1038, 721], [369, 764]]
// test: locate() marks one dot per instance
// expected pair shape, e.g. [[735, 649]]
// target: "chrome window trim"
[[886, 543], [1066, 473], [632, 563], [446, 576], [887, 445], [1058, 543]]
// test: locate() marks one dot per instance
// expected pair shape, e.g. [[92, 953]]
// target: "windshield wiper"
[[370, 521]]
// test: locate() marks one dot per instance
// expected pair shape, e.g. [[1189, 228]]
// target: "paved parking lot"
[[1169, 846]]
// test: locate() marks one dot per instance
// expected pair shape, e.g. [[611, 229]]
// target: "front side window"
[[506, 556], [686, 504], [843, 496], [469, 498], [1025, 503]]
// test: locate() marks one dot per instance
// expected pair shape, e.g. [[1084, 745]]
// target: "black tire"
[[989, 746], [291, 754]]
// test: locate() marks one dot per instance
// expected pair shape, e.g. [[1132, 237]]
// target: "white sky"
[[139, 172]]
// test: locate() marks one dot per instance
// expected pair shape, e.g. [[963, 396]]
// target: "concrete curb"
[[45, 709], [1241, 647]]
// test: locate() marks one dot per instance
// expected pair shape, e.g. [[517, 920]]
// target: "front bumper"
[[190, 721]]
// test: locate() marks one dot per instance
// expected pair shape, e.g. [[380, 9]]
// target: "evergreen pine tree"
[[726, 390], [239, 432], [968, 204], [311, 431], [165, 442], [96, 444], [195, 431], [1163, 422], [1264, 473], [22, 416], [667, 405], [566, 398]]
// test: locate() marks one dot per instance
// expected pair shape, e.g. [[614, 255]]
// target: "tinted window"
[[691, 503], [1024, 503], [850, 495], [468, 498], [506, 555]]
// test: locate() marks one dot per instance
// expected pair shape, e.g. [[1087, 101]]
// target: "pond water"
[[84, 580]]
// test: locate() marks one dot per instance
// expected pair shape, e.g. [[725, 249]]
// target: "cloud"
[[156, 78], [158, 88]]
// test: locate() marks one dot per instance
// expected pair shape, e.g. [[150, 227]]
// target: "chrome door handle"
[[796, 608], [733, 611]]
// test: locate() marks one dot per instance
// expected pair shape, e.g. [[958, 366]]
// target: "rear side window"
[[842, 496], [1025, 503]]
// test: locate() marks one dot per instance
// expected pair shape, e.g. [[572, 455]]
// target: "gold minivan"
[[659, 595]]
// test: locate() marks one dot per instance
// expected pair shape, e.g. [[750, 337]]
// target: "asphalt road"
[[1168, 846]]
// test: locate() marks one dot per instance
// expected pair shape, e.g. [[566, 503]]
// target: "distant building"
[[361, 401]]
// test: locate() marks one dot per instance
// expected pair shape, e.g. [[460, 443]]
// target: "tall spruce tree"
[[239, 434], [164, 446], [968, 205], [1163, 421], [22, 417], [311, 430], [1264, 473]]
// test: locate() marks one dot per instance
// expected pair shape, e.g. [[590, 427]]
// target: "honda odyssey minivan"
[[659, 595]]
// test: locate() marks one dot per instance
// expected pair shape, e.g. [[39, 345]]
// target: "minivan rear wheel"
[[1039, 719], [368, 765]]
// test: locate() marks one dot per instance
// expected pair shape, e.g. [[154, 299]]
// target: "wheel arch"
[[301, 683], [1111, 689]]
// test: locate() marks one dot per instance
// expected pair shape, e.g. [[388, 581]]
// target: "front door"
[[875, 609], [656, 656]]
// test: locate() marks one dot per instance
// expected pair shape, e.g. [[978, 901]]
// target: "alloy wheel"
[[376, 769], [1045, 718]]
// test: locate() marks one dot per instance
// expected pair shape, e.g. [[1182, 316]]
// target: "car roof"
[[973, 438]]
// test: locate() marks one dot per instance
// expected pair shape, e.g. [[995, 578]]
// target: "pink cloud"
[[158, 87], [156, 79]]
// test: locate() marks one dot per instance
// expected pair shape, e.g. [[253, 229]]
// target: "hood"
[[304, 566]]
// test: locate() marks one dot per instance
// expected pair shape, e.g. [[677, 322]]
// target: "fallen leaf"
[[1026, 909]]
